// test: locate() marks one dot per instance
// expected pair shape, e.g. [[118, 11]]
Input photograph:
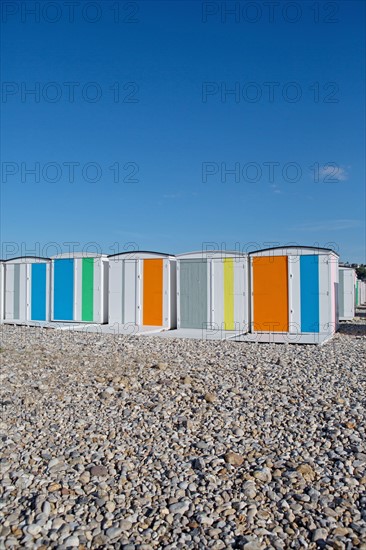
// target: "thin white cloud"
[[329, 225], [331, 172], [276, 189], [172, 196]]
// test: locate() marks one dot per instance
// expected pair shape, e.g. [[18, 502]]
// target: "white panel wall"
[[98, 297], [294, 294], [241, 295], [9, 291], [126, 288], [2, 295], [347, 293], [48, 291], [172, 293], [21, 294], [131, 292], [104, 290], [123, 284], [115, 291], [78, 278], [167, 286], [326, 321], [217, 305]]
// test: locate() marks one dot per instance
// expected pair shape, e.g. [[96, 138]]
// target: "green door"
[[193, 294], [87, 302]]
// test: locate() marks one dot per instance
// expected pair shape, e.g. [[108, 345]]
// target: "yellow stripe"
[[229, 293]]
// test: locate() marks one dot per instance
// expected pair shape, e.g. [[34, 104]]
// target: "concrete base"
[[128, 329], [199, 334], [285, 338], [346, 318], [43, 324], [117, 328]]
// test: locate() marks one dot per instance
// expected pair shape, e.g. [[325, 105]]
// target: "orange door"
[[270, 294], [153, 293]]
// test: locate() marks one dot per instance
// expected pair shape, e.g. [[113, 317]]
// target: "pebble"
[[85, 477], [46, 508], [179, 507], [234, 459], [306, 471], [72, 542], [114, 532], [210, 397], [110, 506], [275, 458], [33, 529], [249, 489], [54, 487], [160, 366], [252, 546], [125, 525], [263, 474], [320, 534], [100, 471], [204, 519]]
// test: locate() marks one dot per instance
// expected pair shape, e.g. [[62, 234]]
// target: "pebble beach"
[[150, 443]]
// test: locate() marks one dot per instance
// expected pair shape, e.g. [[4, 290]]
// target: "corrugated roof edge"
[[77, 255], [26, 258], [233, 252], [140, 252], [293, 246]]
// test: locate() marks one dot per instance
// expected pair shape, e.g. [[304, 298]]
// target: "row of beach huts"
[[286, 294]]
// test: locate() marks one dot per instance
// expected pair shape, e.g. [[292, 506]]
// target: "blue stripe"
[[38, 292], [63, 290], [309, 289]]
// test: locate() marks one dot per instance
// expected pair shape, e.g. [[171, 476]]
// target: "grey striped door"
[[193, 293]]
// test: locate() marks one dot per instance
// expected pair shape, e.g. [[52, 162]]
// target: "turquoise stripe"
[[309, 290], [38, 292], [63, 299]]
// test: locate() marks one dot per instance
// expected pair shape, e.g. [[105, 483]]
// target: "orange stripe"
[[270, 294], [153, 293]]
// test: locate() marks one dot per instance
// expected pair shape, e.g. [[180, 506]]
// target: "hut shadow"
[[352, 329]]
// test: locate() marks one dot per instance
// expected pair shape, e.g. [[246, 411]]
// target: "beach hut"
[[346, 293], [80, 288], [1, 290], [142, 289], [212, 291], [294, 294], [360, 292], [26, 283], [357, 291]]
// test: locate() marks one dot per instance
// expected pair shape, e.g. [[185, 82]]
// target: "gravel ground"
[[140, 442]]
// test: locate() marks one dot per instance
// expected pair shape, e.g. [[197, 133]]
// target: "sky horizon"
[[166, 125]]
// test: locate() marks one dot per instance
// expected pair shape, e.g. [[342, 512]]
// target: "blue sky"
[[175, 131]]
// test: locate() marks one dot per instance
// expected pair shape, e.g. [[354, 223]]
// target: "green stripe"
[[87, 302]]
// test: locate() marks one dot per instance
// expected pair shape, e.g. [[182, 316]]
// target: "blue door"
[[38, 292], [309, 290], [63, 290]]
